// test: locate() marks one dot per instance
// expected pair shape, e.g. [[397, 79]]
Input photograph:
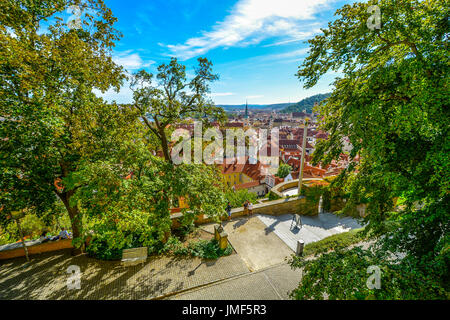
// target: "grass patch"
[[344, 239]]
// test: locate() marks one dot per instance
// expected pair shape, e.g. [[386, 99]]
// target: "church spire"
[[246, 109]]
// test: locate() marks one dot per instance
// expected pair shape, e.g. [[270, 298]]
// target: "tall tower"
[[246, 109]]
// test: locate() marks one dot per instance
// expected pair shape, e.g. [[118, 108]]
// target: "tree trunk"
[[75, 219], [165, 146]]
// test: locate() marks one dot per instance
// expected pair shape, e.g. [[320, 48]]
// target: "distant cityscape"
[[256, 175]]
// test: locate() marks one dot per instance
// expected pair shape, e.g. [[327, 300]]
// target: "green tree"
[[306, 104], [172, 98], [283, 170], [128, 205], [237, 198], [391, 102], [51, 121]]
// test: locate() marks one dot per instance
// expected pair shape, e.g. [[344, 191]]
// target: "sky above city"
[[256, 46]]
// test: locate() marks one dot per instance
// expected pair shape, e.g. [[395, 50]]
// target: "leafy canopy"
[[283, 170], [391, 102], [51, 119], [172, 98]]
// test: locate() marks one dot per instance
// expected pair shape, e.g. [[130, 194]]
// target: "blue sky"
[[256, 46]]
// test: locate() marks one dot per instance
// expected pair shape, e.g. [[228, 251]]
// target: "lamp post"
[[300, 178]]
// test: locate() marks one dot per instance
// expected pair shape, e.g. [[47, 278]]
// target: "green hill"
[[229, 107], [306, 104]]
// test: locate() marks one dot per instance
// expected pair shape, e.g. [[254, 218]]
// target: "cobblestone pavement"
[[273, 283], [46, 277]]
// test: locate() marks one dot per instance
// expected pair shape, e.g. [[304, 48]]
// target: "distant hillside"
[[232, 107], [306, 104]]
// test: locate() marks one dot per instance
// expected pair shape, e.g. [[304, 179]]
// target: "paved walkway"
[[274, 283], [257, 248], [314, 228], [290, 192], [262, 243], [46, 277]]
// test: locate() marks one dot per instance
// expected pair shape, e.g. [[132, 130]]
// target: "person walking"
[[229, 211], [250, 208]]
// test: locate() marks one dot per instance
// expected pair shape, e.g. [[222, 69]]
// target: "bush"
[[174, 246], [340, 240], [342, 275], [5, 238], [208, 249], [117, 231], [312, 194], [184, 230], [32, 227], [273, 196], [100, 246], [237, 198], [205, 249], [283, 170]]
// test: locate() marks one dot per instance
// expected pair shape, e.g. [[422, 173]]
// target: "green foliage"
[[208, 249], [122, 211], [312, 194], [238, 197], [391, 103], [6, 237], [273, 196], [198, 184], [32, 226], [283, 170], [205, 249], [48, 104], [342, 274], [171, 98], [340, 240], [122, 230], [306, 104], [185, 230], [100, 249], [174, 246]]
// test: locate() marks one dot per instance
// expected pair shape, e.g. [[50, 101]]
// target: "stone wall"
[[279, 188], [275, 208], [36, 249]]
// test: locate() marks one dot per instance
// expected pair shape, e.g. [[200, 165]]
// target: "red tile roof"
[[247, 185], [234, 125], [242, 165]]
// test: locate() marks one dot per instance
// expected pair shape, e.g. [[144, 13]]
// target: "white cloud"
[[289, 54], [252, 21], [131, 61], [221, 94]]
